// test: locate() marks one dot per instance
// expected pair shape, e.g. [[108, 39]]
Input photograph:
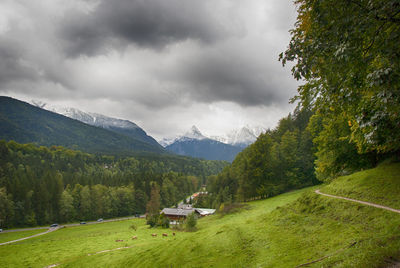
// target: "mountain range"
[[26, 123], [242, 137], [120, 126], [46, 124], [194, 143]]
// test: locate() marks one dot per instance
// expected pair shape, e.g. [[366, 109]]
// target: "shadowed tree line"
[[40, 185]]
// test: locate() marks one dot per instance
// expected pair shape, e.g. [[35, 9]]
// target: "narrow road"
[[361, 202], [56, 228], [24, 238], [71, 224]]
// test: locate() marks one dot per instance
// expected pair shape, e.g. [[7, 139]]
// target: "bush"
[[156, 220], [163, 221], [191, 222], [152, 220], [232, 208], [133, 227]]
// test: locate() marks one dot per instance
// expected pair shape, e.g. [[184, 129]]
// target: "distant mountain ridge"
[[242, 137], [120, 126], [194, 143], [26, 123]]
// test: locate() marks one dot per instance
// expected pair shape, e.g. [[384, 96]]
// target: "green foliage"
[[133, 226], [336, 153], [276, 232], [348, 54], [191, 222], [280, 160], [25, 123], [42, 185], [231, 208], [152, 220], [153, 206], [157, 220], [6, 208], [163, 221]]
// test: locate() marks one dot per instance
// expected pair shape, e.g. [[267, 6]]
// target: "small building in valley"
[[177, 214], [205, 211]]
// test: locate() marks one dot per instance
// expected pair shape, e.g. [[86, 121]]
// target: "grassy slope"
[[72, 245], [297, 232], [380, 185], [5, 237]]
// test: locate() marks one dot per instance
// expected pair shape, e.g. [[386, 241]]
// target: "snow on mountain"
[[257, 131], [240, 137], [93, 119], [193, 143], [166, 141], [120, 126], [194, 133]]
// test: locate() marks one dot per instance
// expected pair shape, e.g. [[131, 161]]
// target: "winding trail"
[[24, 238], [358, 201]]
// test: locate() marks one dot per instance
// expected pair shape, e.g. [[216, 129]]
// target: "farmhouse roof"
[[205, 211], [177, 211]]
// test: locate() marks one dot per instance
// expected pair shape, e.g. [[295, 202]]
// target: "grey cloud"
[[156, 58], [146, 23], [228, 74], [12, 65], [224, 79]]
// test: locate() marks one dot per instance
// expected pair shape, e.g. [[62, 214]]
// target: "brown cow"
[[164, 235], [153, 235], [134, 237]]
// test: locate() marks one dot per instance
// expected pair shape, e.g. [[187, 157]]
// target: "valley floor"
[[285, 231]]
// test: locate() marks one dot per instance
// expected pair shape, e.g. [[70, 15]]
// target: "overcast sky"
[[163, 64]]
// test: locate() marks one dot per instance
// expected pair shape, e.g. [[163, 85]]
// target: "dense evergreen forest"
[[40, 185]]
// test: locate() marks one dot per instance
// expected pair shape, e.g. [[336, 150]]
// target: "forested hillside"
[[25, 123], [39, 185], [204, 149], [347, 115], [280, 160]]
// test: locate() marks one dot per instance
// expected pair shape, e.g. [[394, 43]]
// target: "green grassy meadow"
[[283, 231], [5, 237], [380, 185]]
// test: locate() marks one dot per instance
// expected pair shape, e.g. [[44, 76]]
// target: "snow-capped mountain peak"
[[121, 126], [194, 133], [240, 137], [93, 119]]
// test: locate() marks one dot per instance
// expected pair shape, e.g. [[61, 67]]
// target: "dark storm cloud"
[[231, 73], [146, 23], [171, 60], [225, 78], [12, 65]]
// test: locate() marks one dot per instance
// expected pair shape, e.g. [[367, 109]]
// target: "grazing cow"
[[173, 234], [153, 235], [164, 235], [134, 237]]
